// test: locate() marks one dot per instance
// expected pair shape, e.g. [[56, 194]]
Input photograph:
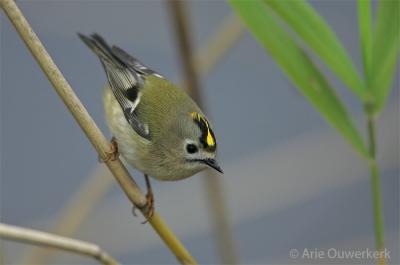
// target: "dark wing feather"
[[125, 80], [131, 61]]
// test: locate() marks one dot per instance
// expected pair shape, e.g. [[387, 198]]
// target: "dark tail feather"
[[100, 47]]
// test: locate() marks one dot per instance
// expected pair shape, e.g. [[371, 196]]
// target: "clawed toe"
[[149, 207], [112, 154]]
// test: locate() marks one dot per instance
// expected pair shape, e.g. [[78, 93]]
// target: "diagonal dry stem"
[[226, 35], [89, 127], [30, 236]]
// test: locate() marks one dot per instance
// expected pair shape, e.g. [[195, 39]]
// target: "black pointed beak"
[[213, 163]]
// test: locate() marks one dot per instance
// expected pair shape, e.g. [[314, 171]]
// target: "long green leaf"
[[299, 68], [313, 30], [385, 51], [364, 22]]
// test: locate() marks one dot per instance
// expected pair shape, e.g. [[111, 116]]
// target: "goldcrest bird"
[[156, 127]]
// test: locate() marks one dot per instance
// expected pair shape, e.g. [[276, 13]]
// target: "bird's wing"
[[131, 61], [125, 76]]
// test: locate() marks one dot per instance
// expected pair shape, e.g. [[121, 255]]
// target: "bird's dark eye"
[[191, 148]]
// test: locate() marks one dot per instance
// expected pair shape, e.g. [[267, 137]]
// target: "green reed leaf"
[[365, 23], [299, 68], [385, 51], [304, 20]]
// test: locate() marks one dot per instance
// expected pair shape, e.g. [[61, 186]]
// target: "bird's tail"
[[100, 47]]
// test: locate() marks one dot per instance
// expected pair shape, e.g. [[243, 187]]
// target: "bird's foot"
[[112, 154], [147, 209], [149, 206]]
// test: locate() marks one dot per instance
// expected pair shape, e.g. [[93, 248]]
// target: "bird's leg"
[[112, 154], [147, 208], [149, 198]]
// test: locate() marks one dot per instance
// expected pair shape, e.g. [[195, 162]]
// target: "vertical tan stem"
[[213, 185]]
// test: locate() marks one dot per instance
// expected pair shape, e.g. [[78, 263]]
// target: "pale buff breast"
[[129, 142]]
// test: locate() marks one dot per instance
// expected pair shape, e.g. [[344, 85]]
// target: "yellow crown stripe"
[[195, 115], [210, 139]]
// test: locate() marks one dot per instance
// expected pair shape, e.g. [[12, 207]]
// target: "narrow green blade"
[[299, 68], [364, 22], [303, 19], [385, 50]]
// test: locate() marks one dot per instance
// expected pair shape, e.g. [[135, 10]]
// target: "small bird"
[[156, 126]]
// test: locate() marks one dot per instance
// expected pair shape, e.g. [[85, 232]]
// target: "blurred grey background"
[[290, 180]]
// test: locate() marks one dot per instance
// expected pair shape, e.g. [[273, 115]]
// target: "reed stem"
[[213, 185], [375, 186], [89, 127], [30, 236]]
